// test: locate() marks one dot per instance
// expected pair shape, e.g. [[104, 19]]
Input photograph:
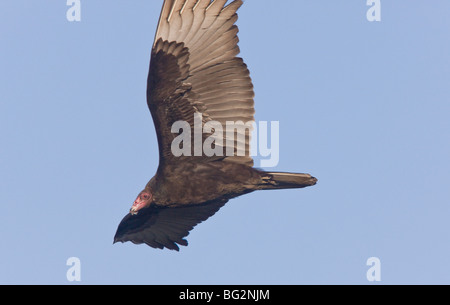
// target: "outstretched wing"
[[160, 227], [194, 69]]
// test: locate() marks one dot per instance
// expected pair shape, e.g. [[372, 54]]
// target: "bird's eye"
[[145, 196]]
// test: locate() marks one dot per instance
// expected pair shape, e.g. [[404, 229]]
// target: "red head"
[[143, 200]]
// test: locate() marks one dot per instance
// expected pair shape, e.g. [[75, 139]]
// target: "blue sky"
[[363, 106]]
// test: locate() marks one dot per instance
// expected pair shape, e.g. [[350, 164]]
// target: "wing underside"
[[163, 227], [195, 69]]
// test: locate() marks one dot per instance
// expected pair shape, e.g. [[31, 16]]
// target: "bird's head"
[[143, 200]]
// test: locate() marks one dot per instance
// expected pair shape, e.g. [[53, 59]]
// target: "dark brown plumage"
[[194, 69]]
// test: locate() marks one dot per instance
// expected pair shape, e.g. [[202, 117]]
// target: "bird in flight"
[[196, 77]]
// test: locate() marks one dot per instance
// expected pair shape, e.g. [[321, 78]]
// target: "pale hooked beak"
[[133, 211]]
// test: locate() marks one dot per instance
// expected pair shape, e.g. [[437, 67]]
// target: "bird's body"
[[202, 182], [194, 71]]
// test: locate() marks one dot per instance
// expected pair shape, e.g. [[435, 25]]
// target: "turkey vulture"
[[194, 69]]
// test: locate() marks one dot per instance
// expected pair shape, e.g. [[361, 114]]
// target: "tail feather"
[[274, 181]]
